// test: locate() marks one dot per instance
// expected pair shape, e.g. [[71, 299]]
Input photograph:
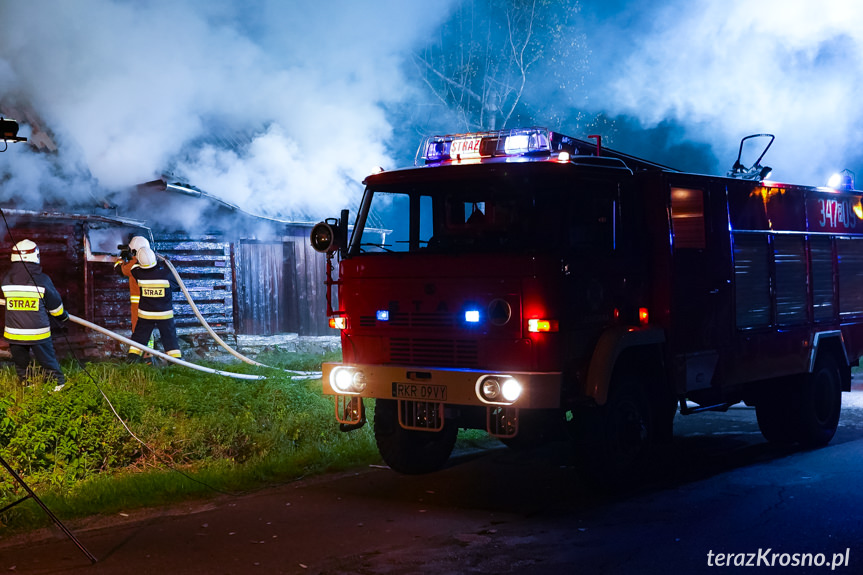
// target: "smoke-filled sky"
[[131, 89], [712, 71]]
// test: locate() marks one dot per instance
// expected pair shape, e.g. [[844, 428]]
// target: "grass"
[[204, 434]]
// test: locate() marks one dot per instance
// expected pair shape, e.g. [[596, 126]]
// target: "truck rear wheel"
[[819, 401], [774, 411], [803, 409], [409, 451]]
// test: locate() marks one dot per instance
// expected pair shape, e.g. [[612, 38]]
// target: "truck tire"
[[621, 435], [803, 409], [819, 401], [409, 451], [774, 411]]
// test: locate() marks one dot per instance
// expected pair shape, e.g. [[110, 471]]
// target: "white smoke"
[[278, 107], [723, 69], [130, 89]]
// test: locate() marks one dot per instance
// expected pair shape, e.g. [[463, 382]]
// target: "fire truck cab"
[[537, 286]]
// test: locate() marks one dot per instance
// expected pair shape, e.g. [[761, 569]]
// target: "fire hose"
[[200, 317], [159, 354], [215, 336]]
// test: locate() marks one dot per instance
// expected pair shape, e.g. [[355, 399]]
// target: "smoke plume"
[[282, 108], [718, 70], [274, 106]]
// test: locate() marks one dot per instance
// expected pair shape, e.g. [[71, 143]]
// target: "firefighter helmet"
[[146, 258], [138, 242], [25, 251]]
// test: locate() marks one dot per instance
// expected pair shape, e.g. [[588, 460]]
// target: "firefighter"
[[128, 260], [156, 287], [124, 265], [31, 299]]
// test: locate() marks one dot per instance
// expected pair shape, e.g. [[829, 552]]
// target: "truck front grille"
[[413, 320], [434, 352]]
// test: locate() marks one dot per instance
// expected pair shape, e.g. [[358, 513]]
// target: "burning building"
[[248, 275]]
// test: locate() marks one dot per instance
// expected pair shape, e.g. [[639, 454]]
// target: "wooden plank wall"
[[309, 275], [204, 264], [280, 286], [263, 288], [250, 287]]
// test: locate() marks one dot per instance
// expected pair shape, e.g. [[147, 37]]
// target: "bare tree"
[[481, 64]]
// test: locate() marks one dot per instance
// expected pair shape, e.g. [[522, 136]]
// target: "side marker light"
[[541, 325]]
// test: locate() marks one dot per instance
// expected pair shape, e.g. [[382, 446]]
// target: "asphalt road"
[[721, 496]]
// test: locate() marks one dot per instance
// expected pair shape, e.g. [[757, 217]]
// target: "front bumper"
[[540, 390]]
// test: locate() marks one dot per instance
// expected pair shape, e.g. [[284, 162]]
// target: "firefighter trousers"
[[44, 354], [167, 332]]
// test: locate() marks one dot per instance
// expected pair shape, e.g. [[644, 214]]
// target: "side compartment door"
[[701, 287]]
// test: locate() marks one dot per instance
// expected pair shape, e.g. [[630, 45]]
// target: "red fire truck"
[[537, 286]]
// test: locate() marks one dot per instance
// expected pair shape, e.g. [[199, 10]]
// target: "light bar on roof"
[[520, 142], [504, 143]]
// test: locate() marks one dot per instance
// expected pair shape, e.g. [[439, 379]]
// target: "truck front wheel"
[[409, 451], [621, 435]]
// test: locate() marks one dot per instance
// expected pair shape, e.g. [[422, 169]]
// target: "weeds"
[[226, 434]]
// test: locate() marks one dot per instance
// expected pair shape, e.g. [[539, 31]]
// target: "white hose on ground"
[[214, 335], [200, 317], [158, 353]]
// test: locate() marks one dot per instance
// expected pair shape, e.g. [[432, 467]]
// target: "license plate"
[[419, 391]]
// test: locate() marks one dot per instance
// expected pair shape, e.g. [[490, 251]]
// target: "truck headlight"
[[498, 389], [346, 379], [490, 389], [511, 389]]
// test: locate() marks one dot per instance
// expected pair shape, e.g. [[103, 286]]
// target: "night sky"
[[284, 108]]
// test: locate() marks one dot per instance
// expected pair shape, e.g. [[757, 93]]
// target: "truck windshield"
[[452, 221]]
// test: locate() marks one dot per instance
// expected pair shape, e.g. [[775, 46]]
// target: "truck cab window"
[[459, 220]]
